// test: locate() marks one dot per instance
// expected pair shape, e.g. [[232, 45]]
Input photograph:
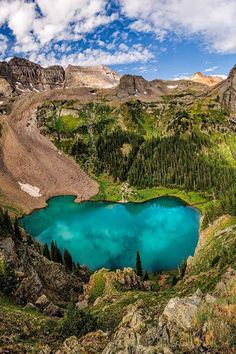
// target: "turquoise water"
[[104, 234]]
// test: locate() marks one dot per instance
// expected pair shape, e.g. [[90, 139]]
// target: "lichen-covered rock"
[[104, 283], [71, 346], [94, 342], [128, 333], [5, 88], [180, 312]]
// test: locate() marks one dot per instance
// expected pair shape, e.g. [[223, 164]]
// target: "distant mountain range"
[[19, 75]]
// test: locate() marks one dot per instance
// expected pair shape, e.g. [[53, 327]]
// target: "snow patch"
[[31, 190], [172, 86]]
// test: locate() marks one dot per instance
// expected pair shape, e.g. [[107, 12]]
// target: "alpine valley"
[[143, 261]]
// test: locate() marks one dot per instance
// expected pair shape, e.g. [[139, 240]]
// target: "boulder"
[[82, 304], [47, 307], [180, 312], [42, 302]]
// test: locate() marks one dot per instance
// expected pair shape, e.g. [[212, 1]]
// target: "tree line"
[[55, 255], [173, 162]]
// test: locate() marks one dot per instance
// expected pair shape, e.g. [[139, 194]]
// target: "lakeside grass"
[[110, 190]]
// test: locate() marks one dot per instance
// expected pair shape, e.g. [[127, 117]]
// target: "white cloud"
[[95, 57], [213, 68], [57, 20], [214, 20], [223, 76], [3, 43]]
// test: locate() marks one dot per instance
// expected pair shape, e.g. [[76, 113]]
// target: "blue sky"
[[153, 38]]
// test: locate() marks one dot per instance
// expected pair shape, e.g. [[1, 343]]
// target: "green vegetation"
[[98, 286], [8, 278], [27, 329], [68, 260], [76, 322], [182, 150], [56, 253]]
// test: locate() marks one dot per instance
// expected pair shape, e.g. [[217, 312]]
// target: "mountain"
[[226, 91], [205, 79], [20, 75], [98, 76], [24, 76], [133, 142]]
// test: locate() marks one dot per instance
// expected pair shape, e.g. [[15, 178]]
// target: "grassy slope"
[[23, 329]]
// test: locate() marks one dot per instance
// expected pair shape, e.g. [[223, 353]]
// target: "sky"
[[154, 38]]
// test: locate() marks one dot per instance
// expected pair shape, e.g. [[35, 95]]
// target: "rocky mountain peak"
[[205, 79], [24, 75]]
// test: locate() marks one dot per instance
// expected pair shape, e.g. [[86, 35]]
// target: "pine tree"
[[17, 232], [68, 260], [146, 276], [53, 251], [174, 280], [46, 252], [56, 253], [59, 255], [139, 270], [7, 225], [182, 269]]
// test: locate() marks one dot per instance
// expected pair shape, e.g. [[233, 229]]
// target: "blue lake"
[[105, 234]]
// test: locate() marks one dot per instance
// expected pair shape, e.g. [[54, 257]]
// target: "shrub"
[[8, 278], [76, 322]]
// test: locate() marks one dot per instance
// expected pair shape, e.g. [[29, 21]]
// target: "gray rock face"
[[180, 311], [133, 85], [23, 75], [137, 86], [37, 275], [227, 91], [47, 307]]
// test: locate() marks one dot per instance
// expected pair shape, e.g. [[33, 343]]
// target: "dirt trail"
[[30, 158]]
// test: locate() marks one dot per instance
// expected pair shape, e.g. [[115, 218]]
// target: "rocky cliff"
[[226, 91], [91, 76], [23, 75], [36, 274]]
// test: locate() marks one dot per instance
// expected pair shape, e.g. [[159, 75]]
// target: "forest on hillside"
[[147, 146]]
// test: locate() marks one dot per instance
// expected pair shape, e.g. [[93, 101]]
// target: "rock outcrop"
[[137, 86], [5, 88], [23, 75], [226, 91], [91, 76], [38, 276], [103, 284]]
